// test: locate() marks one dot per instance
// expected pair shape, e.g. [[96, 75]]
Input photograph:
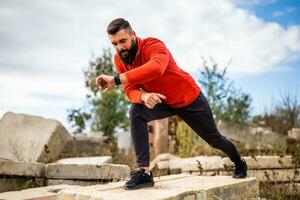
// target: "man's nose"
[[120, 47]]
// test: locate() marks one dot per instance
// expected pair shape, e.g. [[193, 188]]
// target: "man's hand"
[[105, 82], [151, 99]]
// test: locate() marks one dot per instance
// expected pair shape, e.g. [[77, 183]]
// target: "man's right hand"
[[151, 99]]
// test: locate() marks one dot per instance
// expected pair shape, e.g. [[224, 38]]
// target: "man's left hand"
[[105, 82]]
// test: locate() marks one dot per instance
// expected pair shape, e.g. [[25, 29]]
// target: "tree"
[[227, 103], [105, 112]]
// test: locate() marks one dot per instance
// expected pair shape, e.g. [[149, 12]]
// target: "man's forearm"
[[123, 78]]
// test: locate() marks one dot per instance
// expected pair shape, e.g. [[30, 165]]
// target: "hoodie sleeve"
[[158, 56], [132, 91]]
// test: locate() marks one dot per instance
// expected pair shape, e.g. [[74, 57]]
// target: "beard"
[[127, 55]]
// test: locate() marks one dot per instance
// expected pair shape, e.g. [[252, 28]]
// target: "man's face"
[[125, 45]]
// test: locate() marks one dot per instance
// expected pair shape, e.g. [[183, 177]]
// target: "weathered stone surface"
[[277, 168], [50, 182], [97, 160], [173, 187], [212, 163], [81, 145], [160, 164], [163, 157], [16, 168], [265, 175], [31, 138], [264, 162], [8, 183], [41, 193], [294, 134], [98, 172], [200, 163]]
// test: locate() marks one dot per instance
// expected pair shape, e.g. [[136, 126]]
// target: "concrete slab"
[[81, 145], [173, 187], [50, 182], [162, 157], [266, 175], [41, 193], [199, 163], [194, 164], [31, 138], [204, 164], [264, 162], [87, 172], [97, 160], [16, 168]]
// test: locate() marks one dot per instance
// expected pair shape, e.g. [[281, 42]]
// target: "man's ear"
[[134, 35]]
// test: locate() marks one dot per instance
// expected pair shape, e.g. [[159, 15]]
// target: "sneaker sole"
[[140, 186], [240, 176]]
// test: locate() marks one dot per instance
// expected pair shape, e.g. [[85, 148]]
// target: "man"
[[158, 88]]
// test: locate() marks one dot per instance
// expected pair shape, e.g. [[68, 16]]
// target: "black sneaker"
[[139, 179], [240, 170]]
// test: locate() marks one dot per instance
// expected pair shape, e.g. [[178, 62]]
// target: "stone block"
[[97, 160], [40, 193], [82, 182], [87, 172], [172, 187], [30, 138], [16, 168], [200, 163], [81, 145], [264, 162], [163, 157]]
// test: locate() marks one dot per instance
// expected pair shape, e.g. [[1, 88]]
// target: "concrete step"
[[181, 186], [86, 172], [40, 193]]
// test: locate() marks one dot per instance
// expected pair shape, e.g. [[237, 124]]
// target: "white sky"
[[46, 44]]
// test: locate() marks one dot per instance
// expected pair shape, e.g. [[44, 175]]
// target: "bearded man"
[[158, 88]]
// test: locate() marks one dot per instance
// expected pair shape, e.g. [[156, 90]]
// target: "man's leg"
[[199, 117], [139, 116]]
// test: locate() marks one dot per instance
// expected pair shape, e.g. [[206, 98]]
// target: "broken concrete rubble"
[[31, 138], [181, 186]]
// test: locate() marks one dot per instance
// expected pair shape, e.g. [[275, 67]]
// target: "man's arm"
[[154, 68], [123, 78], [107, 83], [132, 91]]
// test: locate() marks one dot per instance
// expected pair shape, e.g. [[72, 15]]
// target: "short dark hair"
[[118, 24]]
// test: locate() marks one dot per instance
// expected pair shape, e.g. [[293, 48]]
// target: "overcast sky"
[[46, 44]]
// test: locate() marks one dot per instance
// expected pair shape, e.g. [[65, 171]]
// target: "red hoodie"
[[155, 70]]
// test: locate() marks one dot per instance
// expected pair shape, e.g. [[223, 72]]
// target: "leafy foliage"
[[227, 102], [104, 112]]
